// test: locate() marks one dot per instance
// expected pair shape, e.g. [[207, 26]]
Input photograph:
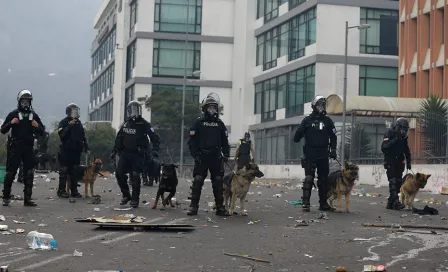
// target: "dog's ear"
[[418, 176], [427, 176]]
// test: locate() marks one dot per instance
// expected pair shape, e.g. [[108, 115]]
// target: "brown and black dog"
[[87, 174], [237, 186], [168, 183], [411, 185], [341, 183]]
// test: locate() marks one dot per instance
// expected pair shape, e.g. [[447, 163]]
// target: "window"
[[429, 30], [130, 59], [290, 38], [442, 11], [129, 95], [133, 17], [288, 91], [106, 47], [102, 86], [275, 146], [382, 35], [378, 81], [169, 58], [302, 34], [268, 9], [104, 113], [191, 93], [295, 3], [171, 15]]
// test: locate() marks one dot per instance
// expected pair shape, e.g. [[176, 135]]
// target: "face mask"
[[25, 104], [134, 112], [320, 107], [74, 113], [404, 132], [212, 112]]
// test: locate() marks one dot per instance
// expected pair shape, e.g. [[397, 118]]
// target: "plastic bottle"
[[37, 240]]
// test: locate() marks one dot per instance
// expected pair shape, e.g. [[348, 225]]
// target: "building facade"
[[422, 63], [266, 59]]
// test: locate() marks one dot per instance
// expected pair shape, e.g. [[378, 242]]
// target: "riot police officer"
[[209, 146], [395, 148], [131, 145], [320, 138], [73, 142], [25, 124], [41, 151], [242, 154]]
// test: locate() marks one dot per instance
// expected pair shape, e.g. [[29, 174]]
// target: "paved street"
[[272, 235]]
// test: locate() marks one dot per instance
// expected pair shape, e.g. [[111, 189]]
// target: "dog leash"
[[233, 171]]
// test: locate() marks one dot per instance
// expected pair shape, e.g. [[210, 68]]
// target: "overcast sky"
[[45, 47]]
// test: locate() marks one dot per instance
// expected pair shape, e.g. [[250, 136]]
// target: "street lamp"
[[344, 99], [181, 166]]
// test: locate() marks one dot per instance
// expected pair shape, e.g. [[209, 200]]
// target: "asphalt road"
[[272, 235]]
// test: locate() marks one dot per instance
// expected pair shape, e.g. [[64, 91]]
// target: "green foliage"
[[433, 122], [166, 117]]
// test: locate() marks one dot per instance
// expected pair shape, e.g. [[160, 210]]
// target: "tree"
[[166, 117], [433, 124]]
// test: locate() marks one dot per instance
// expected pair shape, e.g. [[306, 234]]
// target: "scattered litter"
[[254, 222], [395, 225], [307, 255], [209, 220], [297, 202], [301, 223], [341, 269], [6, 232], [250, 193], [215, 226], [245, 256], [277, 195], [42, 225], [403, 215], [4, 244], [374, 268], [20, 230], [2, 218], [443, 218], [77, 253], [96, 209], [323, 216], [72, 200], [259, 193], [18, 222], [3, 227], [122, 209], [172, 247], [135, 241], [211, 204]]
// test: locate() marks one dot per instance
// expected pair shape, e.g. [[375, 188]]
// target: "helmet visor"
[[134, 110], [74, 112]]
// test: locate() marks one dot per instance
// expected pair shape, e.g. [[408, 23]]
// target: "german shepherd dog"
[[168, 183], [237, 186], [411, 185], [341, 183], [87, 174]]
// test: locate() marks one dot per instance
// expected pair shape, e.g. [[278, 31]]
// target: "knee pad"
[[135, 176], [198, 181], [308, 182]]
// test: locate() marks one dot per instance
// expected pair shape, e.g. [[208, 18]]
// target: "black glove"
[[408, 165], [333, 154], [155, 154]]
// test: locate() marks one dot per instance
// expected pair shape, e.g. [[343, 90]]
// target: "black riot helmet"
[[402, 127], [72, 111], [247, 136], [134, 110], [210, 105], [24, 99], [319, 105]]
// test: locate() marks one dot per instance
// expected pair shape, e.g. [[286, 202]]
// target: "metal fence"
[[427, 138]]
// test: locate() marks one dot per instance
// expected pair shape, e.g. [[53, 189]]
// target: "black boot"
[[196, 190], [306, 189], [28, 189], [8, 180], [125, 199], [62, 183], [323, 204], [218, 192], [393, 202], [136, 185]]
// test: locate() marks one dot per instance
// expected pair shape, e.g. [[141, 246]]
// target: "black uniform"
[[73, 142], [244, 152], [20, 149], [131, 145], [41, 151], [396, 151], [209, 146], [320, 136]]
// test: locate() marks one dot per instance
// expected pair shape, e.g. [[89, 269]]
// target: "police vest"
[[244, 149]]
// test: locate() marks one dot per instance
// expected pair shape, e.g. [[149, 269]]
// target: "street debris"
[[122, 209], [18, 222], [245, 256], [77, 253], [307, 255], [2, 218], [374, 268], [363, 239], [297, 202], [254, 222], [3, 227], [301, 223], [341, 269], [323, 216], [378, 225]]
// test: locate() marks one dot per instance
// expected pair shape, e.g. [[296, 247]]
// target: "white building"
[[266, 59]]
